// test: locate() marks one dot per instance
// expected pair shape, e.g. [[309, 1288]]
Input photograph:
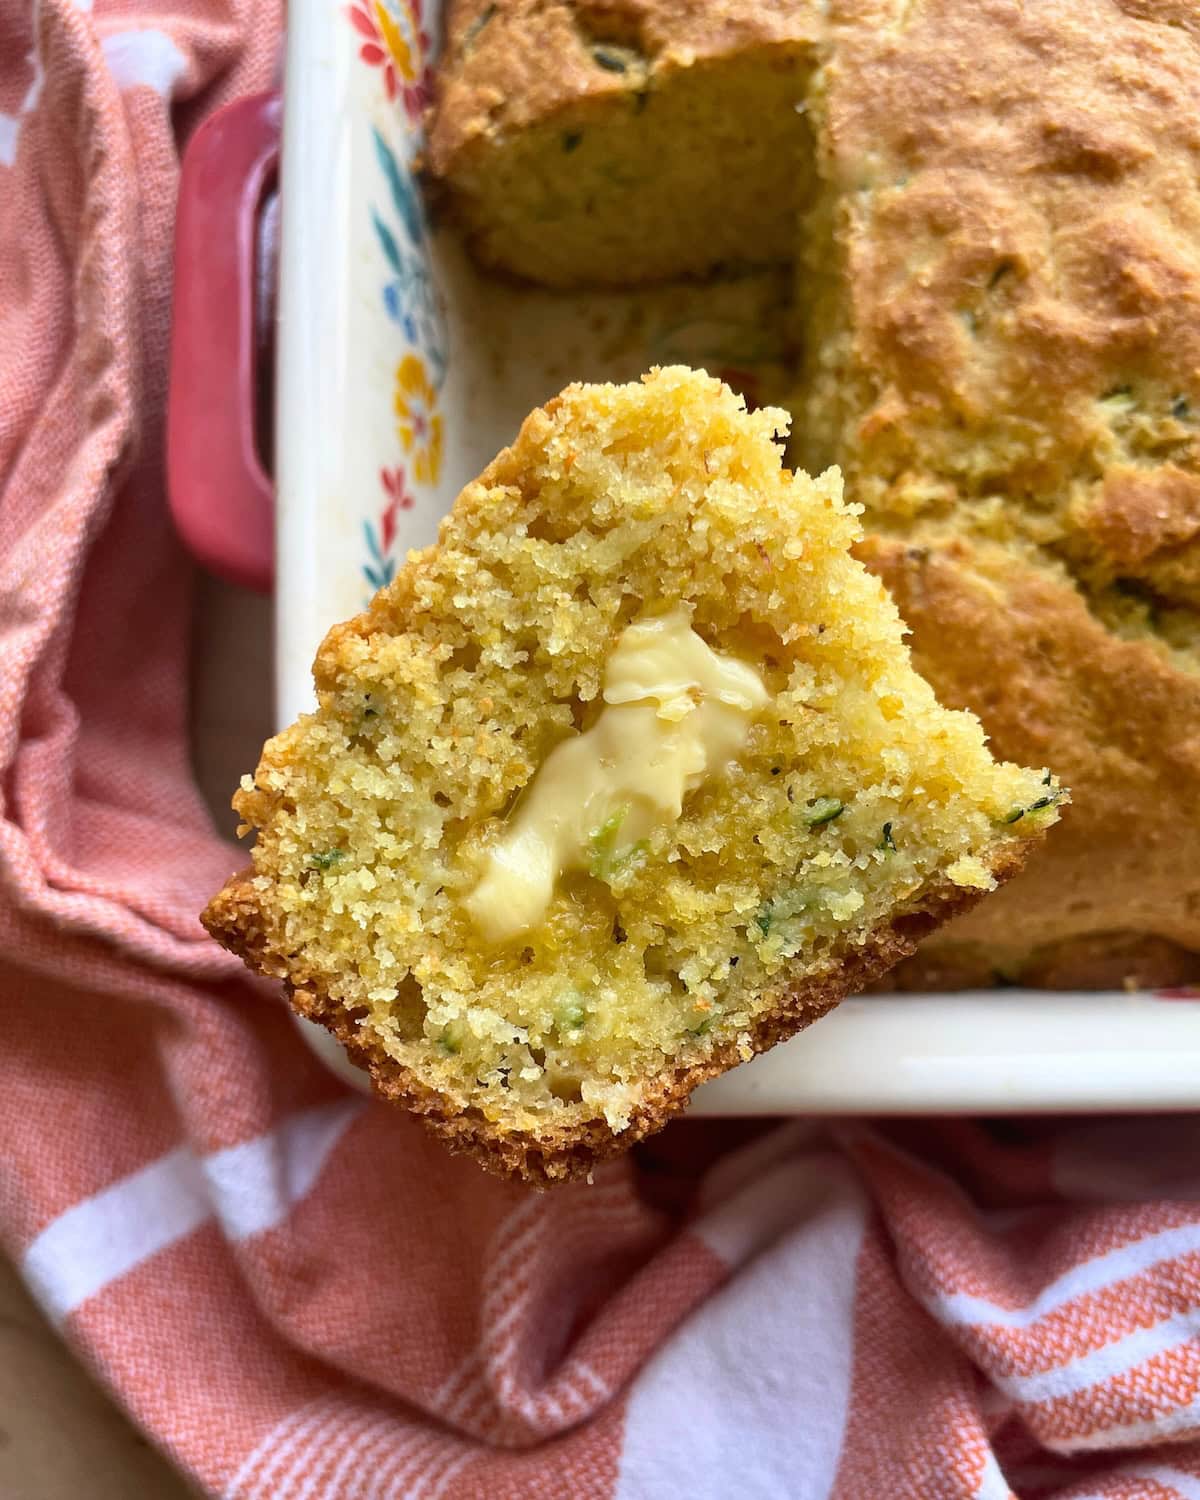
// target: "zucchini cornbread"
[[993, 210], [625, 779]]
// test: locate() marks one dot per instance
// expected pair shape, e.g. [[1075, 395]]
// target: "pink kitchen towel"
[[296, 1294]]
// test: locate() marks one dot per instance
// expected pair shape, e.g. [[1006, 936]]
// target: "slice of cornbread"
[[624, 780]]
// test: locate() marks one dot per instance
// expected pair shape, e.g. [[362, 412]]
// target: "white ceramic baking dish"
[[400, 373]]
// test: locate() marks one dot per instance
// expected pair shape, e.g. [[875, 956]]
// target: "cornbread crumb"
[[857, 814], [971, 872]]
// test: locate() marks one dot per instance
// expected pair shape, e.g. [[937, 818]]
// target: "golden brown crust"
[[1119, 720], [1138, 515], [1024, 253], [1019, 293], [235, 919]]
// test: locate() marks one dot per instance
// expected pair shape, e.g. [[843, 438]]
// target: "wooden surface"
[[61, 1438], [232, 698]]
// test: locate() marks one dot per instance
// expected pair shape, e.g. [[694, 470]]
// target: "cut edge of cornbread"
[[567, 1152]]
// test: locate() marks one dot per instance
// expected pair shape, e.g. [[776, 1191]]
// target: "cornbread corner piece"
[[583, 142], [626, 779]]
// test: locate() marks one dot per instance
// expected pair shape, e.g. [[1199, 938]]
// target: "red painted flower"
[[395, 485], [394, 40]]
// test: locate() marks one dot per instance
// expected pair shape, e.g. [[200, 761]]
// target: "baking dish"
[[399, 374]]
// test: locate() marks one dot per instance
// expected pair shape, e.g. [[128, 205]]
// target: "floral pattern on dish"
[[381, 537], [394, 40], [418, 421], [410, 297], [411, 301]]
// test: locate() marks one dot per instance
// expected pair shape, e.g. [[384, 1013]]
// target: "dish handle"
[[219, 395]]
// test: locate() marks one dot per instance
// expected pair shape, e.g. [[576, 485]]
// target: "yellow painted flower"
[[418, 421], [394, 40]]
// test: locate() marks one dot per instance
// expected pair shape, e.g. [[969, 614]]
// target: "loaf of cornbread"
[[996, 238], [624, 780]]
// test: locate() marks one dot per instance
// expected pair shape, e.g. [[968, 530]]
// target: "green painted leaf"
[[388, 242], [403, 196]]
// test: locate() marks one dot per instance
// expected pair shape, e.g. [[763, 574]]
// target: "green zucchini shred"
[[327, 860], [822, 810]]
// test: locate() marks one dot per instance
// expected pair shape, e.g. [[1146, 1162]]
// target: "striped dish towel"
[[296, 1294]]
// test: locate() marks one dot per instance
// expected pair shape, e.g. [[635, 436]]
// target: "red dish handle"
[[220, 496]]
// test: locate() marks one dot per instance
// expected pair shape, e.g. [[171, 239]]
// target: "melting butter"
[[675, 712]]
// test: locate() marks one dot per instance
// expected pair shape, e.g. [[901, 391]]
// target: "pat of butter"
[[675, 713]]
